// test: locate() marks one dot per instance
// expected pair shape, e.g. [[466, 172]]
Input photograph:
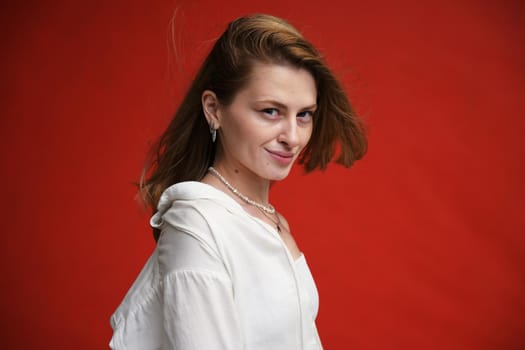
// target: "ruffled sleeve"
[[199, 312], [198, 308]]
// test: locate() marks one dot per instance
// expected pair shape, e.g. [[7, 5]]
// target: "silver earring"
[[213, 132]]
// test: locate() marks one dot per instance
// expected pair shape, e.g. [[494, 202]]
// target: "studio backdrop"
[[420, 245]]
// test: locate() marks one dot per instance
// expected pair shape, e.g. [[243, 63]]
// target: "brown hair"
[[185, 150]]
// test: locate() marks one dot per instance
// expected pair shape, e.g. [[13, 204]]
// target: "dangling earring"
[[213, 132]]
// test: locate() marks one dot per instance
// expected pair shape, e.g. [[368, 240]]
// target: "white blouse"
[[219, 278]]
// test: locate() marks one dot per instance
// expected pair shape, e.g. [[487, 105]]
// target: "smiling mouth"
[[284, 158], [282, 154]]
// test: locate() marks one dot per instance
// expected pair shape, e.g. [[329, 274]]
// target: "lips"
[[281, 157], [282, 154]]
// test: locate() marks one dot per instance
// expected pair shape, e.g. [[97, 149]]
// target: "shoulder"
[[187, 242], [184, 213], [194, 218], [189, 202]]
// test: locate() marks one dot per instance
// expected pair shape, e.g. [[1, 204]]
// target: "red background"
[[420, 246]]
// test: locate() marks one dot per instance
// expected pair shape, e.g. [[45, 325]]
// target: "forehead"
[[292, 86]]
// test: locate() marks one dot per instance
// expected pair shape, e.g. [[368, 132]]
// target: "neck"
[[246, 182]]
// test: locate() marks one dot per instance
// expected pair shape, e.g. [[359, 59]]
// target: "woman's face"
[[269, 121]]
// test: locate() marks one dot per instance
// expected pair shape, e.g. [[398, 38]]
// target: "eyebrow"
[[283, 106]]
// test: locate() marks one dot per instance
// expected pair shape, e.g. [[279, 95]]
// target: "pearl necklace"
[[267, 208]]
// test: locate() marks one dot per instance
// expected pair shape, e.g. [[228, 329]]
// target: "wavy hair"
[[185, 150]]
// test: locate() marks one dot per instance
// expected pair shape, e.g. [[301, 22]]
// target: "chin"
[[279, 175]]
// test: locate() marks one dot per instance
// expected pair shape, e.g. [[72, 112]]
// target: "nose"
[[289, 133]]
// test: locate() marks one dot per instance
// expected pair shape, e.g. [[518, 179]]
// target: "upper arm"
[[199, 311], [198, 296]]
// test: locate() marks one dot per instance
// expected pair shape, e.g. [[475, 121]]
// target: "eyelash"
[[272, 111], [309, 113]]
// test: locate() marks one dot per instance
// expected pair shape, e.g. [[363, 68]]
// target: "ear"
[[210, 107]]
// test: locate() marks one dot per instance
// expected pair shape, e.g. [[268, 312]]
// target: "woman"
[[226, 272]]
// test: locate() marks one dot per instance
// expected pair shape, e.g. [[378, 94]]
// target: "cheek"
[[307, 134], [232, 126], [251, 131], [242, 132]]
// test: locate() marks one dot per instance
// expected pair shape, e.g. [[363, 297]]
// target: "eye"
[[271, 111], [305, 116]]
